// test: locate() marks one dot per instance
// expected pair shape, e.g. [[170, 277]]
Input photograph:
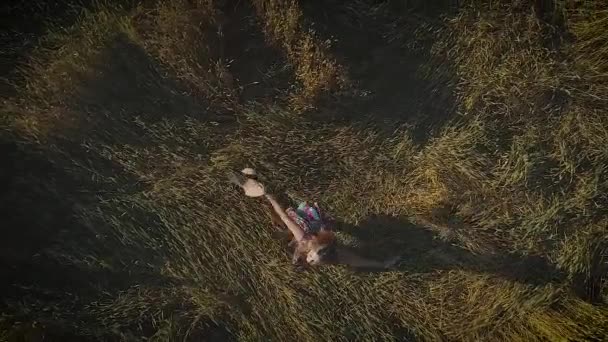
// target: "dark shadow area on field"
[[592, 286], [124, 84], [32, 215], [124, 81], [37, 215], [21, 24], [393, 83], [127, 79], [260, 70], [38, 211], [422, 252]]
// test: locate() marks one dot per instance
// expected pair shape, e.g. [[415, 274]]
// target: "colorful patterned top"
[[309, 218]]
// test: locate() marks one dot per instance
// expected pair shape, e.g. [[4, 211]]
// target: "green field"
[[470, 138]]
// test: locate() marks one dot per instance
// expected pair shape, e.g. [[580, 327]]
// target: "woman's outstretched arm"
[[297, 232]]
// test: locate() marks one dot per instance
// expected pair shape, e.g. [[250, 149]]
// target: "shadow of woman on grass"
[[421, 251]]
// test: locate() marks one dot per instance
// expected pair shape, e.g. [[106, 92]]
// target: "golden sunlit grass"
[[125, 103], [588, 25], [315, 69]]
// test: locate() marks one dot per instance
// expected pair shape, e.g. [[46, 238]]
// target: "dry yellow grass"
[[136, 113], [315, 69]]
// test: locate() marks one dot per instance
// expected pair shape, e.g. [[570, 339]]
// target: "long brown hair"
[[323, 240]]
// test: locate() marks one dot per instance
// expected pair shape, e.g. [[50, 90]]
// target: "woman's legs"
[[348, 258]]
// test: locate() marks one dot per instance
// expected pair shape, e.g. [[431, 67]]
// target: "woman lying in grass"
[[312, 234]]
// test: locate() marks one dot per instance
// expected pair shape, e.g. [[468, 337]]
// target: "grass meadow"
[[468, 137]]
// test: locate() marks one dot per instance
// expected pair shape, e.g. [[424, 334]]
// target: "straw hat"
[[245, 179]]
